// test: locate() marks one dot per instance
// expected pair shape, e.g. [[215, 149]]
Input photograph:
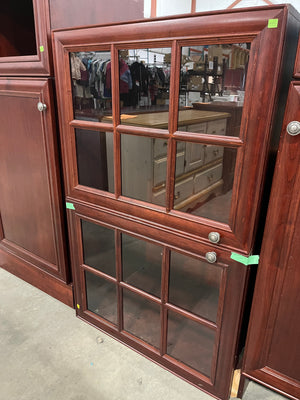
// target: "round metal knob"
[[211, 257], [41, 106], [293, 128], [214, 237]]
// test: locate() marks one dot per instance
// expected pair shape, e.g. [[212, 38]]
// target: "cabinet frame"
[[41, 63]]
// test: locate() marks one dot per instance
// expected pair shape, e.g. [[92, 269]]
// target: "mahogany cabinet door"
[[272, 354], [31, 215], [25, 48], [167, 302], [158, 169]]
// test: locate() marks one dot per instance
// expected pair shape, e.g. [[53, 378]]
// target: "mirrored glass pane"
[[212, 88], [91, 85], [204, 181], [190, 343], [95, 159], [101, 297], [141, 262], [194, 285], [141, 318], [98, 247], [144, 168], [144, 87]]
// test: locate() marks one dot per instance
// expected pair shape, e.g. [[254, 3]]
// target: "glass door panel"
[[205, 186], [212, 82], [195, 285], [95, 159], [101, 297], [144, 86], [175, 312], [143, 172], [91, 85], [98, 247], [190, 343], [141, 318], [141, 262]]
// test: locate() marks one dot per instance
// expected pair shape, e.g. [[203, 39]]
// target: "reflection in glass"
[[144, 86], [101, 297], [141, 263], [141, 318], [95, 159], [194, 285], [91, 84], [190, 343], [98, 247], [204, 186], [143, 173], [212, 82]]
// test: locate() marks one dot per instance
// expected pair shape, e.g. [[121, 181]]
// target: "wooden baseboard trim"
[[42, 280]]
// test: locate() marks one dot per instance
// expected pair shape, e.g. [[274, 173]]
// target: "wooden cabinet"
[[155, 238], [25, 47], [272, 351], [33, 241]]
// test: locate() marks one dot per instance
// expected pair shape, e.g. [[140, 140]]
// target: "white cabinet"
[[198, 166]]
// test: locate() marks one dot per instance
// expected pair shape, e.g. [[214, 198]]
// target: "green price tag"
[[70, 206], [273, 23], [42, 49], [251, 260]]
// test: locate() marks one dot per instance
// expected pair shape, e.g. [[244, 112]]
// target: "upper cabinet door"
[[24, 38], [171, 121]]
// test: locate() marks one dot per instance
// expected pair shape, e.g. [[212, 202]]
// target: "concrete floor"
[[46, 353]]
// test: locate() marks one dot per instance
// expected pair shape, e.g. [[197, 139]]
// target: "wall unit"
[[33, 241], [33, 244], [162, 279]]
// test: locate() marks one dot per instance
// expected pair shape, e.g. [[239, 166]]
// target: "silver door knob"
[[293, 128], [41, 106], [211, 257], [214, 237]]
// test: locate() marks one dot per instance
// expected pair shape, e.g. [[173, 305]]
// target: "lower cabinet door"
[[156, 292], [32, 238]]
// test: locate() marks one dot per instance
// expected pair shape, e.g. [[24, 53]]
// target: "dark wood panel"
[[31, 204], [25, 193], [272, 351], [90, 12]]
